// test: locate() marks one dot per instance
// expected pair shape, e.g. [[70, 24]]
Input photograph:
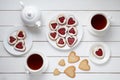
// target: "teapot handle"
[[38, 24]]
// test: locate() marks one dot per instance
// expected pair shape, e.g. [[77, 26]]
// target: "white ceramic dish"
[[106, 56], [66, 47], [10, 49]]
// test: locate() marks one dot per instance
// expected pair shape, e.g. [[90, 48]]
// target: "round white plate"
[[66, 47], [97, 60], [10, 48]]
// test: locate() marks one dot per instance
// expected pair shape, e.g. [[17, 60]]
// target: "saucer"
[[10, 49], [96, 60]]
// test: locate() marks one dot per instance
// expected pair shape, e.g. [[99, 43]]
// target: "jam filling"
[[19, 45], [61, 41], [62, 31], [72, 31], [61, 19], [54, 25], [53, 34], [20, 34], [12, 39], [99, 52], [71, 40], [71, 21]]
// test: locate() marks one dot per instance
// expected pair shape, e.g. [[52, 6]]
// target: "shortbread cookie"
[[71, 40], [84, 65], [61, 19], [71, 21], [12, 39], [53, 35], [61, 42], [21, 34], [70, 71], [53, 25], [72, 58], [20, 46], [62, 62], [56, 72]]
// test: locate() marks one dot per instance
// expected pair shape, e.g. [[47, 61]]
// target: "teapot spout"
[[38, 24], [22, 4]]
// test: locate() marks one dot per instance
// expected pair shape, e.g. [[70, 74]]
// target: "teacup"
[[36, 62], [99, 24]]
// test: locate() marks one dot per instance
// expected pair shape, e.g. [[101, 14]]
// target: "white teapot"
[[30, 16]]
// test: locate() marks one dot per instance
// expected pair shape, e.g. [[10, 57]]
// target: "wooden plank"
[[16, 64], [40, 34], [46, 16], [60, 77], [63, 4], [82, 49]]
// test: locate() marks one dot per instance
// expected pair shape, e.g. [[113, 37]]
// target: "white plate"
[[10, 49], [106, 51], [66, 47]]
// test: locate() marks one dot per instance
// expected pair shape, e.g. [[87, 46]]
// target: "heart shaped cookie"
[[61, 42], [71, 40], [72, 31], [70, 71], [73, 58], [53, 35], [20, 45], [62, 31], [71, 21], [56, 72], [12, 40], [98, 52], [21, 34], [61, 19], [62, 62], [53, 25], [84, 65]]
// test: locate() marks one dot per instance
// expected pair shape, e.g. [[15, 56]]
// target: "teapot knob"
[[38, 24]]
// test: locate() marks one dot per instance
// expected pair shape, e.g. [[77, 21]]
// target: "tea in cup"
[[36, 63], [99, 24]]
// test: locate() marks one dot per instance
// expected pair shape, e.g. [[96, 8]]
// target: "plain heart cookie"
[[70, 71], [73, 58], [62, 62], [84, 65], [56, 72]]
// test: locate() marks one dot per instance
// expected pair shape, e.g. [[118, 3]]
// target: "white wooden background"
[[12, 68]]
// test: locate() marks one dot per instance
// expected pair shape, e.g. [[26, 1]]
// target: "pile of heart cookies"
[[17, 40], [63, 30], [71, 70]]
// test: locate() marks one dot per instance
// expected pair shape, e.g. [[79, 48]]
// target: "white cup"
[[96, 17], [34, 57]]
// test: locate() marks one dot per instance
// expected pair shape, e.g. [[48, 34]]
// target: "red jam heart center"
[[72, 31], [71, 21], [99, 52], [19, 45], [61, 31], [20, 34], [53, 34], [61, 19], [61, 41], [71, 40], [54, 25], [12, 39]]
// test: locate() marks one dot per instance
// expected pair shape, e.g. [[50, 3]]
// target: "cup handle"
[[27, 75]]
